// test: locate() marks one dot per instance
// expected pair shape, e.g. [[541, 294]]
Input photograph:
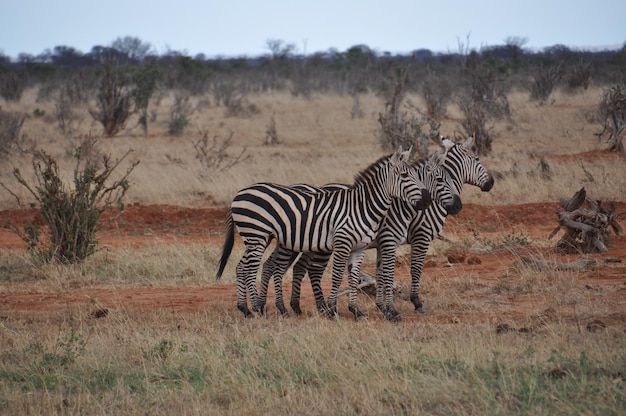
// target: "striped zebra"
[[403, 224], [430, 172], [343, 221]]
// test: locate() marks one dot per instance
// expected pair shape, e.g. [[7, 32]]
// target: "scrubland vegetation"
[[202, 129]]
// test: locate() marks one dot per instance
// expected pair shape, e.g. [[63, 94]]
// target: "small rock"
[[596, 326]]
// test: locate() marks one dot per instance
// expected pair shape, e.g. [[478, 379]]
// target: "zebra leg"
[[387, 259], [339, 266], [266, 272], [418, 254], [276, 266], [299, 270], [380, 288], [278, 290], [354, 271], [246, 279], [242, 300], [316, 272]]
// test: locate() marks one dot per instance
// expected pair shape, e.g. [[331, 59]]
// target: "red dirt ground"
[[145, 225]]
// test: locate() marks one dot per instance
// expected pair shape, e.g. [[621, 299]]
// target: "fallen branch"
[[365, 280], [586, 229], [540, 264]]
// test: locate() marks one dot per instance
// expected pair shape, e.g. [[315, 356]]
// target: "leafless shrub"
[[12, 85], [436, 93], [402, 127], [486, 86], [179, 115], [475, 124], [302, 82], [542, 170], [579, 77], [612, 113], [211, 152], [356, 111], [64, 111], [70, 214], [544, 81], [114, 102], [233, 97], [10, 126], [271, 135]]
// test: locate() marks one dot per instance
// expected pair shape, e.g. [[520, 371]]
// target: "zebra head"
[[440, 184], [464, 166], [403, 181]]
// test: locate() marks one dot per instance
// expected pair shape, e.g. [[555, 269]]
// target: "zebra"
[[344, 221], [402, 224], [429, 172]]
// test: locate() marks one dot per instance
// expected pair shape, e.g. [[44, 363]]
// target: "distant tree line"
[[355, 70], [127, 78]]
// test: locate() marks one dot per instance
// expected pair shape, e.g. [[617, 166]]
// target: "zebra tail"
[[228, 245]]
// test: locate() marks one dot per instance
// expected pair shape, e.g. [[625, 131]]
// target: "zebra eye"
[[404, 175]]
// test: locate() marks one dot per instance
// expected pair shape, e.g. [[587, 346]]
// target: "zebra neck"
[[370, 196]]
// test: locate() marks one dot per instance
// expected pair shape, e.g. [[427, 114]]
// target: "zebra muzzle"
[[425, 201]]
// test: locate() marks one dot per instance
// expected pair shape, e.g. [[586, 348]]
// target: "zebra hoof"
[[393, 316], [332, 314], [246, 312], [421, 309], [358, 315], [321, 307], [295, 307]]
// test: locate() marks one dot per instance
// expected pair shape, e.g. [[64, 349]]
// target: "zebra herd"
[[390, 203]]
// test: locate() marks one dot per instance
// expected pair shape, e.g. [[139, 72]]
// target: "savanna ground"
[[142, 327]]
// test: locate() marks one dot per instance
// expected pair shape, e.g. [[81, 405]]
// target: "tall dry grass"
[[321, 143], [215, 362]]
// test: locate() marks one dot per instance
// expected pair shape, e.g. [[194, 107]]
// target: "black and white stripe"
[[404, 224], [438, 183], [342, 221]]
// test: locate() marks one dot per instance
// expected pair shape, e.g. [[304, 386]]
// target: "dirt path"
[[491, 278]]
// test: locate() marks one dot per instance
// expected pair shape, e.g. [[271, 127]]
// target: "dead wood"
[[586, 227], [540, 264], [365, 281]]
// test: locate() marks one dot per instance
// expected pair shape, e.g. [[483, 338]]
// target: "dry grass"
[[215, 362], [321, 144]]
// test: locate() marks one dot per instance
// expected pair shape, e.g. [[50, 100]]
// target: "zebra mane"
[[370, 171]]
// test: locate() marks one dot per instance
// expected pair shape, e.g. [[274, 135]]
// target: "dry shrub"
[[114, 101], [544, 81], [71, 215], [10, 126], [612, 111]]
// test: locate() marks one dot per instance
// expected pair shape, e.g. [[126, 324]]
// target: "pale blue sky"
[[242, 27]]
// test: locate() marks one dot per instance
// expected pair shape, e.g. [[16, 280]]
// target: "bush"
[[179, 115], [544, 81], [12, 85], [71, 215], [114, 101], [612, 113], [10, 126]]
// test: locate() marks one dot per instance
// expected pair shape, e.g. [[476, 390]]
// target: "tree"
[[113, 100], [146, 83], [134, 49], [612, 111]]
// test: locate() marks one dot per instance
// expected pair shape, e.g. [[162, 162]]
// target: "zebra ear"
[[447, 144], [434, 158], [400, 156], [469, 142]]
